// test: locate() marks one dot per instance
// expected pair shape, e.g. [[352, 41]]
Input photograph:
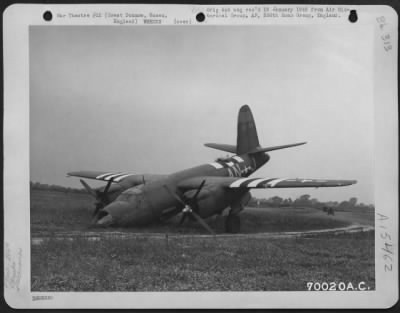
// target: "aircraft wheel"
[[232, 224]]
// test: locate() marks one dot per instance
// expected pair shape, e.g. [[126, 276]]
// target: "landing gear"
[[219, 224], [232, 224]]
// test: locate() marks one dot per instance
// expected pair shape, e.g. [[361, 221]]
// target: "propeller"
[[190, 207], [88, 188], [101, 196]]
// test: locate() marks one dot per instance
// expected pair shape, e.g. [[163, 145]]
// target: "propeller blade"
[[103, 195], [88, 188], [202, 222], [187, 209], [108, 186], [99, 206], [199, 189], [175, 195]]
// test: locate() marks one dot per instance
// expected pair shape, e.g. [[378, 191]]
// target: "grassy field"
[[53, 211], [193, 263]]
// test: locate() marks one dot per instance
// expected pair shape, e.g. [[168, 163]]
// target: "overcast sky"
[[145, 99]]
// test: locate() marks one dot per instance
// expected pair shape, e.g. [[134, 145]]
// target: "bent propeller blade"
[[202, 222], [88, 188], [174, 195], [199, 189]]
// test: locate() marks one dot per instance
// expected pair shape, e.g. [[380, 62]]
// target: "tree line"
[[307, 201], [40, 186]]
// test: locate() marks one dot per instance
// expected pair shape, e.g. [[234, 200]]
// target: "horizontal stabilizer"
[[267, 149], [223, 147]]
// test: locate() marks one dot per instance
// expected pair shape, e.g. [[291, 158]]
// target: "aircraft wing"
[[249, 183], [118, 177]]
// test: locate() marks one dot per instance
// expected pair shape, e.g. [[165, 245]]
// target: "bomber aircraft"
[[199, 192]]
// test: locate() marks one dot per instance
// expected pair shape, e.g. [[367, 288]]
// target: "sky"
[[144, 99]]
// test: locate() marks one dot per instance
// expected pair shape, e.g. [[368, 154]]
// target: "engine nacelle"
[[210, 200], [245, 199]]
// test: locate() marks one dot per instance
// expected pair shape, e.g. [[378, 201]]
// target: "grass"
[[54, 210], [202, 264], [190, 262]]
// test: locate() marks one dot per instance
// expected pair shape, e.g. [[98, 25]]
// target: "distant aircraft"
[[199, 192]]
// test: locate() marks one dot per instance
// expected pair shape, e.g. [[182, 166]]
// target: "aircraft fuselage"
[[152, 201]]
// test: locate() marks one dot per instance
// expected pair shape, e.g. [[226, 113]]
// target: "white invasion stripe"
[[112, 176], [216, 165], [103, 175], [238, 158], [254, 183], [122, 177], [238, 182], [274, 182], [230, 164]]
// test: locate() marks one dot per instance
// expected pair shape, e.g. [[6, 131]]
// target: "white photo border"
[[17, 19]]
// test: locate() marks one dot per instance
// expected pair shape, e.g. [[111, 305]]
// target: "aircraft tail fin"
[[247, 138]]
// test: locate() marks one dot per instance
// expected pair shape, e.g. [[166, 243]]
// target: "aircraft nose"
[[111, 214], [103, 219]]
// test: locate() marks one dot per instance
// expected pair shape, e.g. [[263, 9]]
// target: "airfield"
[[277, 249]]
